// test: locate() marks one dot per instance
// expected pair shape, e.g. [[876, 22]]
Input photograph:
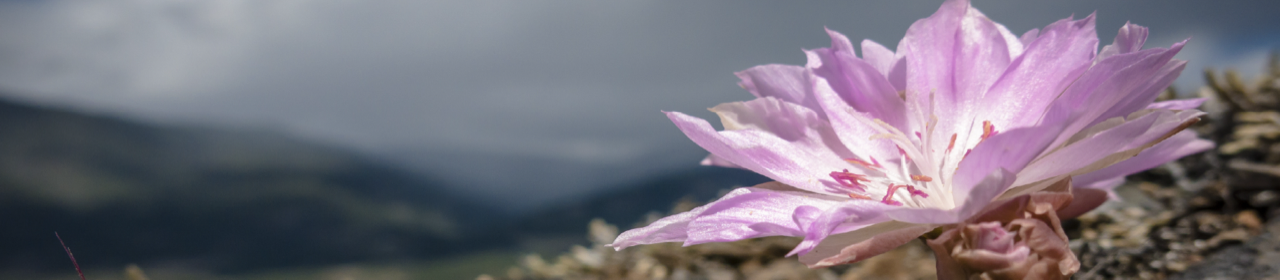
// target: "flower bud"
[[1021, 239]]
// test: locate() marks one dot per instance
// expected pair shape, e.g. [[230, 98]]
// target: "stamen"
[[988, 130], [888, 196], [919, 136], [873, 164], [921, 178], [904, 153], [881, 136], [858, 196], [850, 180], [953, 142]]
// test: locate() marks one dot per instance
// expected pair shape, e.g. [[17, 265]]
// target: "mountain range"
[[221, 199], [120, 191]]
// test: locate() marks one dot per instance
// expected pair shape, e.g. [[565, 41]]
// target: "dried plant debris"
[[1204, 216], [760, 258]]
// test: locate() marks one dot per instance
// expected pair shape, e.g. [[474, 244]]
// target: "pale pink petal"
[[784, 82], [871, 246], [848, 216], [786, 142], [674, 228], [1130, 39], [1031, 35], [768, 209], [854, 133], [1107, 147], [1009, 150], [1108, 184], [1180, 104], [713, 160], [757, 214], [857, 82], [930, 49], [952, 58], [1104, 85], [1142, 97], [1051, 62], [880, 57], [1180, 145], [1016, 47]]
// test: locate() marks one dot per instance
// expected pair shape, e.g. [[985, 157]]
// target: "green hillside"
[[218, 199]]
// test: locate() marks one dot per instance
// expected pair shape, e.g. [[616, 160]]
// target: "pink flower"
[[869, 153]]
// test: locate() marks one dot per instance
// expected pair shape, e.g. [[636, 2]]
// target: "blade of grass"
[[73, 257]]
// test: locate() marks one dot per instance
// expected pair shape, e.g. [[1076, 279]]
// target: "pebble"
[[1249, 219], [1264, 199]]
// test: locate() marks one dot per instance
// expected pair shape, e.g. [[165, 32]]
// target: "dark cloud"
[[488, 86]]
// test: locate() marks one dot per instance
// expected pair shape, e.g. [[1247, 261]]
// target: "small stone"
[[1264, 199], [1249, 219], [1200, 202], [1148, 187], [1089, 234], [1177, 266], [1135, 212], [1235, 235]]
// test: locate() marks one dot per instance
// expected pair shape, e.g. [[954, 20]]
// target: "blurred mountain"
[[210, 198], [554, 228], [518, 183]]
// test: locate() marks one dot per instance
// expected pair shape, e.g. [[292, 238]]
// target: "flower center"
[[919, 170]]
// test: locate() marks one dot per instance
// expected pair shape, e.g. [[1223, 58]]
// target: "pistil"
[[850, 180], [888, 196]]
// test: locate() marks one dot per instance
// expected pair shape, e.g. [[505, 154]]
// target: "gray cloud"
[[571, 83]]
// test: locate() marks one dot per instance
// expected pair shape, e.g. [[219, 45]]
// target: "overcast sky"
[[555, 97]]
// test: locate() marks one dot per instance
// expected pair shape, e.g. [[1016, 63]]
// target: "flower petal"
[[953, 57], [853, 132], [1104, 147], [1180, 104], [764, 210], [1010, 150], [713, 160], [1180, 145], [783, 141], [1106, 84], [757, 214], [863, 243], [857, 82], [1130, 39], [784, 82], [1142, 97], [1051, 62], [848, 216], [1030, 36], [879, 56]]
